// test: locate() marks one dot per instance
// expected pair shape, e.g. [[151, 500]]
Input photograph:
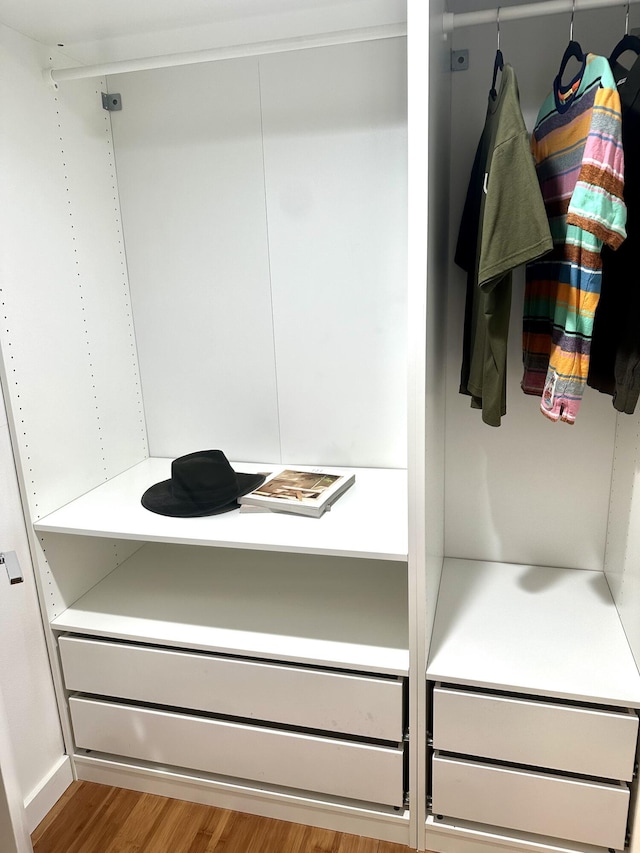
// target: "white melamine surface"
[[335, 142], [532, 629], [368, 520], [559, 806], [327, 765], [350, 614], [66, 337], [191, 187], [265, 221], [296, 696], [540, 734]]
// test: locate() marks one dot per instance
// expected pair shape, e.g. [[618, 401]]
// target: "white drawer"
[[314, 699], [541, 803], [322, 765], [541, 734]]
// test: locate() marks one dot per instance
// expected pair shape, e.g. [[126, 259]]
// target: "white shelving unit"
[[368, 520], [534, 630], [263, 299], [260, 307], [336, 613]]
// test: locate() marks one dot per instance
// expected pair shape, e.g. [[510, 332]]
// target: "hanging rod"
[[528, 10], [386, 31]]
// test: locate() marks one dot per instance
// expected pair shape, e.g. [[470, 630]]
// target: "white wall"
[[529, 491], [27, 687]]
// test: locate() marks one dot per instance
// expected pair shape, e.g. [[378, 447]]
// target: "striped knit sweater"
[[577, 149]]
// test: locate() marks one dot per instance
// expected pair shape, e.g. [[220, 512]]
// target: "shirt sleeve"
[[597, 203]]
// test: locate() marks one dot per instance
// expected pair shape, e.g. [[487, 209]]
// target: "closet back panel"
[[530, 491], [68, 349], [264, 204]]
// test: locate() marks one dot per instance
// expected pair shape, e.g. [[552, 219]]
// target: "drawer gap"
[[245, 721]]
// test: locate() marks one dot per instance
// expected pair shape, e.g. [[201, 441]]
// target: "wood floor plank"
[[103, 825], [132, 833], [74, 817], [92, 818], [322, 841], [177, 829], [392, 847], [237, 834], [210, 832], [357, 844]]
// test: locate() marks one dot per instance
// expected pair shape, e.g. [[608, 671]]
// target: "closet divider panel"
[[622, 563], [530, 491], [335, 167], [189, 161], [63, 290]]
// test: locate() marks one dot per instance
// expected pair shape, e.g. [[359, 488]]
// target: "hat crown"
[[204, 476]]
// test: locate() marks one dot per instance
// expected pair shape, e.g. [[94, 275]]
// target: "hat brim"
[[159, 498]]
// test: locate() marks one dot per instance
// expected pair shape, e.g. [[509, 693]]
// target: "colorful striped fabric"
[[577, 149]]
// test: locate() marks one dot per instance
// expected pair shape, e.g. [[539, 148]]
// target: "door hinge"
[[9, 559], [112, 103]]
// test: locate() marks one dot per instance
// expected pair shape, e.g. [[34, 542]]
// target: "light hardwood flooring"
[[91, 818]]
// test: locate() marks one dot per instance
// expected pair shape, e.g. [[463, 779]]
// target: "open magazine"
[[302, 492]]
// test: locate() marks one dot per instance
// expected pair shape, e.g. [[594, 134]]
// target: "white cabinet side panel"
[[62, 290], [335, 166], [101, 273], [189, 160], [530, 491], [622, 563]]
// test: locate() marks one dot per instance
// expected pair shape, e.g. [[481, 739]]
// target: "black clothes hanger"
[[627, 42], [498, 65], [573, 49], [498, 62]]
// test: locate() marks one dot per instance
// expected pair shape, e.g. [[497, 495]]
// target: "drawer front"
[[359, 705], [321, 765], [566, 808], [541, 734]]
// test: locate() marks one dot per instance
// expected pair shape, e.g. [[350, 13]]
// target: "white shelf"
[[532, 629], [300, 608], [369, 520]]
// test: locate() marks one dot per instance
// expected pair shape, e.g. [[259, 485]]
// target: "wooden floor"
[[92, 818]]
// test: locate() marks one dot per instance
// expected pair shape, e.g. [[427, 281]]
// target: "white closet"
[[223, 264]]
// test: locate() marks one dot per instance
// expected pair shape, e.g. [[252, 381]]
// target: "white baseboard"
[[48, 792], [243, 797]]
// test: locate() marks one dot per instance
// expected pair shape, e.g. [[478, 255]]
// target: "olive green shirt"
[[504, 224]]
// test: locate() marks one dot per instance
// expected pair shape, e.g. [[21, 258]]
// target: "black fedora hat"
[[202, 483]]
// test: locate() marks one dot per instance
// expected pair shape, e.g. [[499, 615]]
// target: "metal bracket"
[[112, 103], [459, 60], [10, 560]]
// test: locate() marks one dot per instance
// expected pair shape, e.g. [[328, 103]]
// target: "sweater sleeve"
[[597, 204]]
